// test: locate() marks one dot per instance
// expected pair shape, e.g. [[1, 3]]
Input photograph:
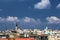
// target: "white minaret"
[[46, 30]]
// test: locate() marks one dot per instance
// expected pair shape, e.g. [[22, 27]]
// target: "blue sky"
[[38, 13]]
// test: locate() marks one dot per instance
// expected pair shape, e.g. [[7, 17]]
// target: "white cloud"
[[53, 20], [26, 19], [23, 20], [30, 20], [9, 18], [44, 4], [58, 6]]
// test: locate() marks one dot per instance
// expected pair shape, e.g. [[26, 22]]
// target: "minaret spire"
[[46, 28]]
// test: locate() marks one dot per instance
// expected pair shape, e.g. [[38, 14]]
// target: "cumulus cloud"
[[58, 6], [27, 19], [9, 18], [44, 4], [53, 20], [30, 20], [23, 20]]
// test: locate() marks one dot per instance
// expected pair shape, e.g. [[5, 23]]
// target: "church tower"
[[16, 28]]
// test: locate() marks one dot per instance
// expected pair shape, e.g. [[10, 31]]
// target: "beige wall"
[[51, 37]]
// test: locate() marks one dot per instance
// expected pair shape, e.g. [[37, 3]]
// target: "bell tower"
[[16, 28]]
